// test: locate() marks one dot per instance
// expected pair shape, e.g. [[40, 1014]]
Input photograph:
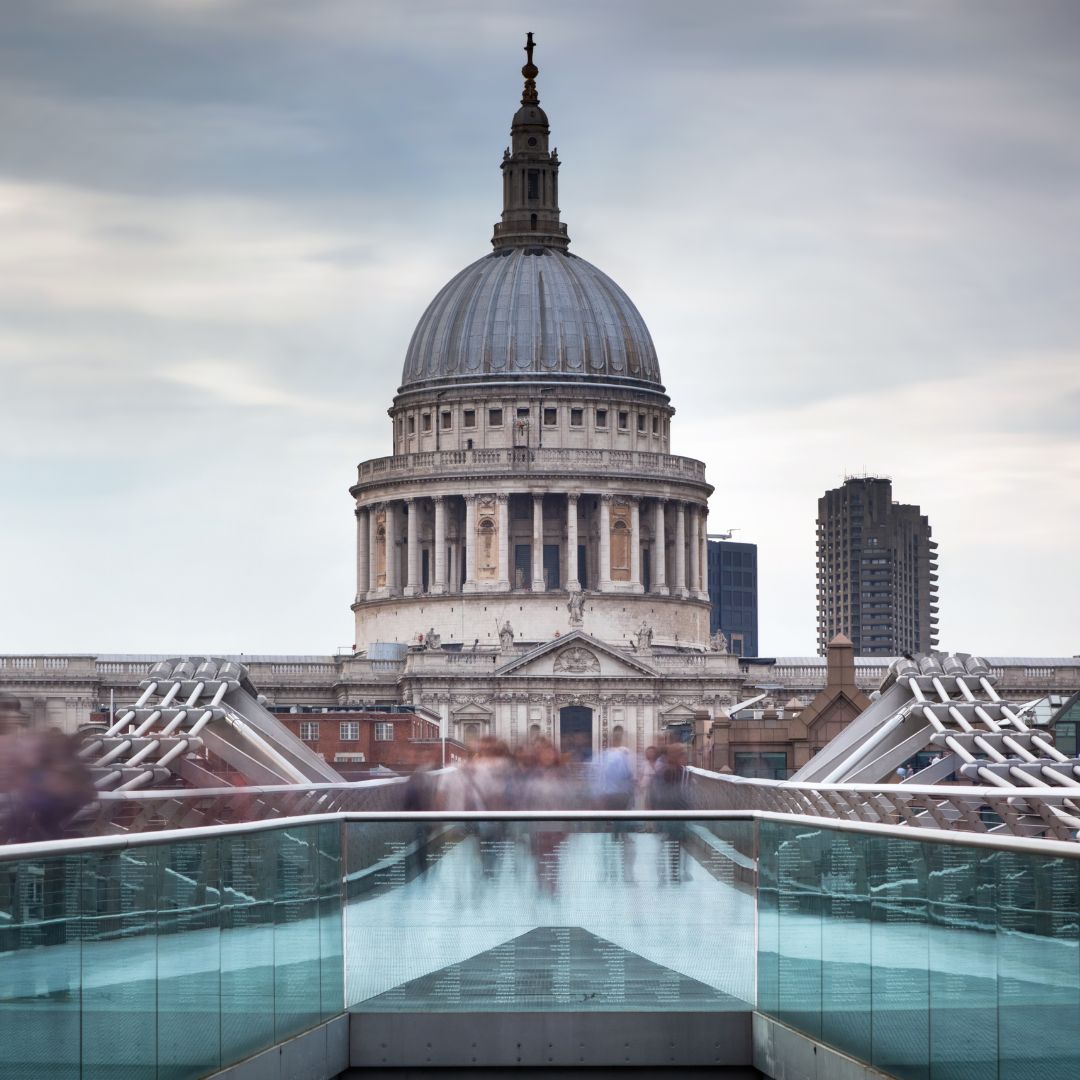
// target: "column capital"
[[436, 499], [606, 497], [502, 496], [573, 496], [469, 497]]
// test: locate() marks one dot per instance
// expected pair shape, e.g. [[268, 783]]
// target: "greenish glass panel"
[[247, 943], [899, 942], [1038, 968], [846, 946], [189, 959], [119, 965], [768, 981], [963, 962], [331, 936], [297, 987], [550, 916], [40, 968], [799, 871]]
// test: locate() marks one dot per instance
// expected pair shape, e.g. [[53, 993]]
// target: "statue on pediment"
[[575, 605]]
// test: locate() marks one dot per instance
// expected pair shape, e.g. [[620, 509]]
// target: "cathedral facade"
[[532, 541]]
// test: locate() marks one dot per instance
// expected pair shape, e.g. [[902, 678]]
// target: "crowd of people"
[[537, 776]]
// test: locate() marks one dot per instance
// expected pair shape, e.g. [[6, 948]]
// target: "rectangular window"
[[425, 421], [349, 731], [412, 425], [446, 420], [495, 418], [601, 418], [624, 421], [384, 731], [641, 422], [309, 730], [577, 417], [551, 417], [656, 425], [523, 412], [534, 183], [468, 418]]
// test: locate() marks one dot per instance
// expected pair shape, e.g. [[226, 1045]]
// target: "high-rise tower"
[[876, 571]]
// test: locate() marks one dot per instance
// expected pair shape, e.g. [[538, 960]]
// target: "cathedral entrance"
[[575, 732]]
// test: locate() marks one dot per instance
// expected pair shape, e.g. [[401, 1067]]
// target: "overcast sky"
[[852, 227]]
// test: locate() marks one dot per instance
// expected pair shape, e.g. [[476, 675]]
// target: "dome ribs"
[[528, 311]]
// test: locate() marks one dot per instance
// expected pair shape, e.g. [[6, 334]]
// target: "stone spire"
[[530, 216]]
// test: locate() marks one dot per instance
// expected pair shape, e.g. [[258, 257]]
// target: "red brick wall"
[[415, 741]]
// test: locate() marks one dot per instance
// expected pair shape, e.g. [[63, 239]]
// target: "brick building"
[[358, 742]]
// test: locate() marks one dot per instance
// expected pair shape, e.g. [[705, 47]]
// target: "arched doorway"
[[576, 732]]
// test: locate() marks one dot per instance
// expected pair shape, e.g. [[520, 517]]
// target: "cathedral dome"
[[531, 313]]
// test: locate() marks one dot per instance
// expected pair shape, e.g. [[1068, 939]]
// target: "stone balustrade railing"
[[520, 461]]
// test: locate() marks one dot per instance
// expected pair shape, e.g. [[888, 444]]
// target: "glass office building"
[[733, 593]]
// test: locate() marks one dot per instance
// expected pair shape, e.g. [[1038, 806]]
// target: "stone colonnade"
[[439, 544]]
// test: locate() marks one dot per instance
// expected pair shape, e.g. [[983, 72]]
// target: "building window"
[[349, 731], [551, 417], [523, 412], [534, 183], [425, 421], [468, 418], [624, 421], [601, 418], [384, 731], [446, 420], [495, 418], [656, 425], [641, 422], [577, 417], [309, 730], [412, 425]]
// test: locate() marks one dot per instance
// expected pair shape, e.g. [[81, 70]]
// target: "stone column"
[[538, 544], [605, 543], [694, 584], [412, 562], [680, 549], [703, 562], [659, 559], [470, 544], [438, 586], [572, 582], [373, 549], [363, 558], [635, 545], [391, 548], [502, 501]]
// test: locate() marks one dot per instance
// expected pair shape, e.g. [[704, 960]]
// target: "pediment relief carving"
[[577, 661]]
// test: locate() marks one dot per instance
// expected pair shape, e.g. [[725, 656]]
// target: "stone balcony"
[[519, 461]]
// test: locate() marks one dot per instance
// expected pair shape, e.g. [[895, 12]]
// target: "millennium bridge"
[[824, 927]]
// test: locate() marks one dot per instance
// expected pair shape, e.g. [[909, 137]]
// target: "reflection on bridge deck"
[[542, 916]]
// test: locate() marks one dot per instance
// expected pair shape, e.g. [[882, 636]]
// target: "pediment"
[[578, 655], [472, 710], [676, 714]]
